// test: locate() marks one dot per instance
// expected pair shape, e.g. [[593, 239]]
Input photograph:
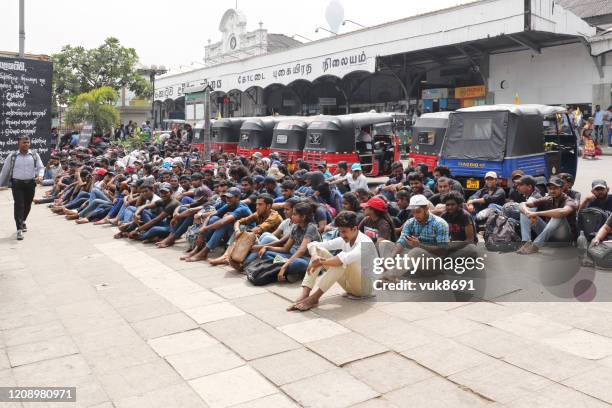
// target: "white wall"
[[560, 75]]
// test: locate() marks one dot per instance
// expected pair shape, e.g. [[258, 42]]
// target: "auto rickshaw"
[[427, 137], [351, 138], [289, 138], [225, 135], [256, 134], [537, 139]]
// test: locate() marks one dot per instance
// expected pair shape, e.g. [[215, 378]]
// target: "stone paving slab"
[[133, 326]]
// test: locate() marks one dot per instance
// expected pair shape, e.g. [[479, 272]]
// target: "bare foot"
[[82, 221], [200, 256], [306, 304], [188, 254], [120, 235], [297, 301], [72, 217], [165, 243], [101, 222], [222, 260]]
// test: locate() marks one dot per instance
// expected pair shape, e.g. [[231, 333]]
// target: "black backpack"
[[601, 255], [500, 233], [590, 221]]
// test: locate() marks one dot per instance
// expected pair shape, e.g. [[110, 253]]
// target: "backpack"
[[601, 255], [500, 233], [590, 221], [262, 272], [12, 159]]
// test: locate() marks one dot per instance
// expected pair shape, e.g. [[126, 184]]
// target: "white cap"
[[491, 174], [418, 200]]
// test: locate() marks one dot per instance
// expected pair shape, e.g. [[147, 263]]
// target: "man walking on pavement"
[[21, 171]]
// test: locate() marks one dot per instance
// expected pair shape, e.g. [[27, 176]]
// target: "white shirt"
[[599, 115], [349, 254], [356, 184], [286, 226], [26, 167]]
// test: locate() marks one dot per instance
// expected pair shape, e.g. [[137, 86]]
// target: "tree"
[[96, 106], [78, 70]]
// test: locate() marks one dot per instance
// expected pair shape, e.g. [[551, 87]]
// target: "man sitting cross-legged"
[[265, 219], [219, 226], [551, 216], [345, 268], [423, 236], [154, 227]]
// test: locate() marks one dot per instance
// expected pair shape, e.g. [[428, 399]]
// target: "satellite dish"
[[334, 14]]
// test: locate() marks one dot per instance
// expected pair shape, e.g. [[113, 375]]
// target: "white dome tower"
[[334, 15]]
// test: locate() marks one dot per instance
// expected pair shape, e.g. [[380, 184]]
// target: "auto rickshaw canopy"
[[339, 134], [496, 132]]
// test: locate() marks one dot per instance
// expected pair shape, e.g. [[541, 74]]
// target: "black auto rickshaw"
[[537, 139], [427, 137], [289, 138], [225, 135], [351, 138], [256, 135]]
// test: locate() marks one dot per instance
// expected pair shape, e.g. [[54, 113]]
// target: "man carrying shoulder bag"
[[21, 171]]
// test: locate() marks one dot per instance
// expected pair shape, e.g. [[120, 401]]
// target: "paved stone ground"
[[132, 326]]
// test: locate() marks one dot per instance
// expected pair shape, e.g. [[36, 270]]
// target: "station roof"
[[479, 27]]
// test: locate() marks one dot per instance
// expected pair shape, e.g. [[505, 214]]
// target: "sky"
[[173, 32]]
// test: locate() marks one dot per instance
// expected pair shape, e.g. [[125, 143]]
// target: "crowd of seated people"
[[310, 218]]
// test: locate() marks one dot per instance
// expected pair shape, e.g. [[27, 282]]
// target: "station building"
[[484, 52]]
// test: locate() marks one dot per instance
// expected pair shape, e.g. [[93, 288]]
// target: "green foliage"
[[97, 107], [134, 142], [78, 70]]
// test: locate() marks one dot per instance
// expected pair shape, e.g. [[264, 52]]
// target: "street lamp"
[[207, 92], [152, 72], [354, 22], [324, 29]]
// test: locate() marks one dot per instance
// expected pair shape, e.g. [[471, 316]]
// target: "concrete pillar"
[[602, 95]]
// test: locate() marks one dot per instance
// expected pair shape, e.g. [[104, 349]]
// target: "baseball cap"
[[257, 155], [165, 187], [418, 200], [258, 179], [599, 184], [517, 173], [528, 180], [232, 192], [376, 203], [356, 167], [491, 174], [555, 181], [100, 172]]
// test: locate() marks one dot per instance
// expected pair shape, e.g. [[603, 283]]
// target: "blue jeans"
[[297, 266], [128, 214], [186, 200], [264, 239], [116, 208], [610, 137], [557, 228], [214, 237], [161, 229], [181, 227], [78, 200], [96, 199], [99, 213]]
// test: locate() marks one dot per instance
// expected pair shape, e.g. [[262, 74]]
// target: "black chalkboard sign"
[[85, 135], [25, 104]]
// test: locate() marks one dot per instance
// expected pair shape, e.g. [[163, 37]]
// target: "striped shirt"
[[433, 231]]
